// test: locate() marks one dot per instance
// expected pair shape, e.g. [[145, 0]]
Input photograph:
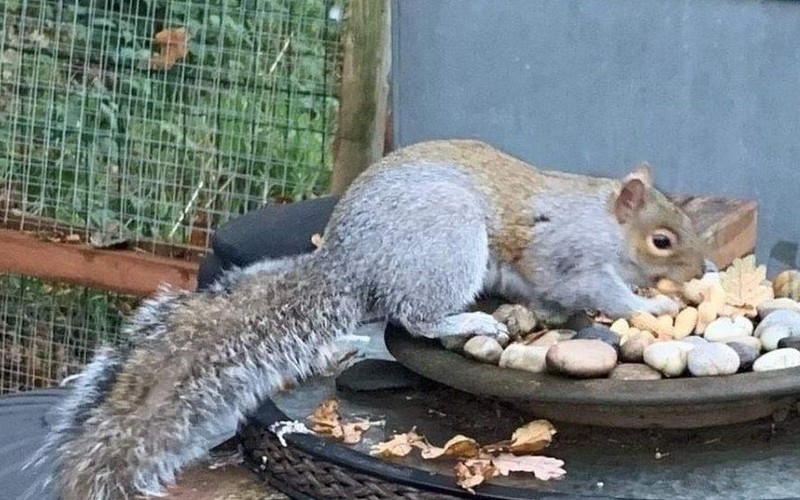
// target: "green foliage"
[[90, 134]]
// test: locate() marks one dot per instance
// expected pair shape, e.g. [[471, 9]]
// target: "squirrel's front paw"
[[661, 304], [480, 323]]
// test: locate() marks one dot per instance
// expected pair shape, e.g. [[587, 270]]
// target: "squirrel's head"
[[663, 240]]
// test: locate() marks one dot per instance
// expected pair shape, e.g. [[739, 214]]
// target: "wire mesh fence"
[[149, 122]]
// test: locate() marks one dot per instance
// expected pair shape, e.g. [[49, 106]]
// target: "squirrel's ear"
[[641, 172], [630, 199]]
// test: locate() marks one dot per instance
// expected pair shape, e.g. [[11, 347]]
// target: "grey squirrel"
[[416, 238]]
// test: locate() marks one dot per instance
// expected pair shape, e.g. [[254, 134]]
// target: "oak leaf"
[[746, 285], [544, 468]]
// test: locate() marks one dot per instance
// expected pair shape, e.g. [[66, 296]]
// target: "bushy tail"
[[204, 365]]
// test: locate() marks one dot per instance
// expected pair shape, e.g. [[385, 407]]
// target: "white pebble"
[[531, 358], [778, 359], [727, 329], [484, 348], [712, 359], [668, 357], [771, 335]]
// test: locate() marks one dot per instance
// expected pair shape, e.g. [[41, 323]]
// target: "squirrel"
[[415, 239]]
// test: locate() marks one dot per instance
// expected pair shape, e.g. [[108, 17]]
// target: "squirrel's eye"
[[662, 242]]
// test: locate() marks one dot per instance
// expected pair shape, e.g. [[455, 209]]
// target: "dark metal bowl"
[[667, 403]]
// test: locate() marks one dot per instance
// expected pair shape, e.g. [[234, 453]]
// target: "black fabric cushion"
[[267, 233]]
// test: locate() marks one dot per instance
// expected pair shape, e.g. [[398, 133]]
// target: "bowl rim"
[[430, 359]]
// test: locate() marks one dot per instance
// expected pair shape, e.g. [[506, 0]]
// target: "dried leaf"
[[746, 285], [327, 422], [530, 438], [399, 446], [325, 416], [350, 433], [474, 472], [317, 240], [173, 45], [459, 446], [544, 468]]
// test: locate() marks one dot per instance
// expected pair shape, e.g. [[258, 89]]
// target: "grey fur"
[[407, 242]]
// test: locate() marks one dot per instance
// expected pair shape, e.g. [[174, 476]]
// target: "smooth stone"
[[712, 359], [726, 329], [484, 349], [790, 342], [531, 358], [518, 319], [599, 332], [753, 342], [548, 339], [780, 304], [772, 335], [565, 334], [581, 358], [632, 351], [777, 360], [747, 354], [668, 357], [634, 371], [694, 340], [777, 325]]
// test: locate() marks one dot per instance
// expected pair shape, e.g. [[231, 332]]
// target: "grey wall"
[[707, 91]]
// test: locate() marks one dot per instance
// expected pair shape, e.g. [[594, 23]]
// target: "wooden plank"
[[364, 88], [121, 271], [729, 226]]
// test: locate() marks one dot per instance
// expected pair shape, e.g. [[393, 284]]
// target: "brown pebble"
[[581, 358]]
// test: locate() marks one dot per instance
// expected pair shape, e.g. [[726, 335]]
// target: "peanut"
[[685, 323]]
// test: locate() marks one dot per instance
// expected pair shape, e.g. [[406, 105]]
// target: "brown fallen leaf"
[[350, 433], [530, 438], [474, 472], [459, 446], [173, 45], [327, 422], [399, 446], [746, 285], [325, 416]]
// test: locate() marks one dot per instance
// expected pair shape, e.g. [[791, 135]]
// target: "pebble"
[[554, 336], [747, 354], [712, 359], [753, 342], [771, 305], [599, 332], [787, 284], [777, 360], [777, 325], [668, 357], [726, 329], [582, 358], [634, 371], [694, 340], [484, 348], [632, 351], [518, 319], [793, 342], [531, 358], [548, 339]]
